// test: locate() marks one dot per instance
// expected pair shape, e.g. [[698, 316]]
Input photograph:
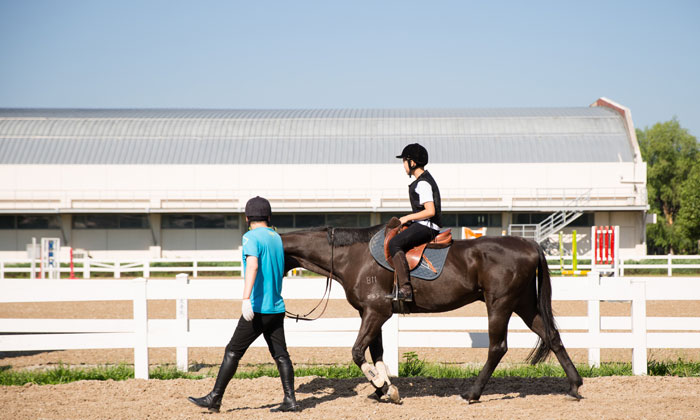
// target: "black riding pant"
[[415, 234], [271, 326]]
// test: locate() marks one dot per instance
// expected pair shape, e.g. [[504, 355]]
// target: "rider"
[[425, 204], [263, 307]]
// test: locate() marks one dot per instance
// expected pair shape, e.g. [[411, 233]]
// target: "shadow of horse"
[[324, 389]]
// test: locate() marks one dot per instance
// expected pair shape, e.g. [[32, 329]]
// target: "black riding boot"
[[289, 403], [212, 400], [405, 292]]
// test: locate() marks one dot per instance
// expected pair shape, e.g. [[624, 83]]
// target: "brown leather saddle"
[[413, 256]]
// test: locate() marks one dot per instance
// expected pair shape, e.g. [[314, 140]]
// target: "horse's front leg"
[[370, 335]]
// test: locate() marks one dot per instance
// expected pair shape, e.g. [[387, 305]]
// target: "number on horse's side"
[[510, 274]]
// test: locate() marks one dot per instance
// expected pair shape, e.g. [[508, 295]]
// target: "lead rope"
[[326, 294]]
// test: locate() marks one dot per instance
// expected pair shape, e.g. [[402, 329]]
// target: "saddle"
[[414, 256]]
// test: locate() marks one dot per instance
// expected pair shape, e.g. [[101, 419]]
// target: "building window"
[[309, 220], [199, 221], [7, 222], [110, 221], [38, 222], [585, 220]]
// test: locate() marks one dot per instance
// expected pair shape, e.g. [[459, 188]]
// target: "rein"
[[326, 294]]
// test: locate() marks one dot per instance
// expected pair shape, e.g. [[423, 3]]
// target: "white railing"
[[637, 331], [668, 263], [87, 267]]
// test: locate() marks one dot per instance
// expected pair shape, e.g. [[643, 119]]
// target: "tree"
[[689, 213], [672, 157]]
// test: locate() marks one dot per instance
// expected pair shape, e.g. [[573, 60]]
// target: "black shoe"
[[405, 293], [288, 404], [210, 401], [286, 370]]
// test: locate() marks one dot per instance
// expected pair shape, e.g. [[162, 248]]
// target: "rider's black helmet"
[[416, 153], [258, 209]]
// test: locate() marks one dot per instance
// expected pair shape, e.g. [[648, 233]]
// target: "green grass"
[[411, 367]]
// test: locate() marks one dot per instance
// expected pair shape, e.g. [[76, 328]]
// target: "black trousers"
[[415, 234], [271, 326]]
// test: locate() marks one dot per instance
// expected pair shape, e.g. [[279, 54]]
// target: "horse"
[[510, 274]]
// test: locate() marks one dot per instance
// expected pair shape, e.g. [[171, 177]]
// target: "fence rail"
[[593, 332], [87, 267]]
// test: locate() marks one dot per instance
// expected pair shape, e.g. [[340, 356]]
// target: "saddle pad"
[[422, 271]]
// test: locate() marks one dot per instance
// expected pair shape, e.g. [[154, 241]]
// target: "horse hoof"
[[574, 397], [393, 394], [468, 399]]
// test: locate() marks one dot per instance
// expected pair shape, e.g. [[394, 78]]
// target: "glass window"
[[363, 220], [495, 220], [341, 220], [521, 218], [96, 221], [177, 221], [209, 221], [38, 222], [7, 222], [231, 221], [309, 220], [473, 219], [584, 220], [133, 221], [283, 220], [449, 220]]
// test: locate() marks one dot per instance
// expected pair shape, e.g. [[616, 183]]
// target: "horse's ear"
[[394, 222]]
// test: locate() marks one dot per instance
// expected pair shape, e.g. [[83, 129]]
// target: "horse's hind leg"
[[528, 313], [498, 346]]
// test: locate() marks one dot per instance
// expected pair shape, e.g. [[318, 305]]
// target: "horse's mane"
[[346, 236], [350, 236]]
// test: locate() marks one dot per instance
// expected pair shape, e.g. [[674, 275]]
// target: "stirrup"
[[394, 295]]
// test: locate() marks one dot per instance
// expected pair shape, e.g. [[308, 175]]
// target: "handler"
[[423, 224], [263, 307]]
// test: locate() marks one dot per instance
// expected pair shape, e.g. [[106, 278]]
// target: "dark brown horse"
[[510, 274]]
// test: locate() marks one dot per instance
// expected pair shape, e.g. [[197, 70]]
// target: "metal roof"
[[328, 136]]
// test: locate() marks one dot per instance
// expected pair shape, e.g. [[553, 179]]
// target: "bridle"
[[326, 294]]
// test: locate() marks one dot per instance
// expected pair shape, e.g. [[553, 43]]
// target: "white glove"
[[247, 310]]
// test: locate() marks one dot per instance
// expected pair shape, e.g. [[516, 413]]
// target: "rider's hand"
[[247, 310], [404, 220]]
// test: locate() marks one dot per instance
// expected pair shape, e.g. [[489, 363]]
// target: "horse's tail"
[[544, 308]]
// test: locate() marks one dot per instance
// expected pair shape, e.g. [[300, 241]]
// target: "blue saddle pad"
[[436, 256]]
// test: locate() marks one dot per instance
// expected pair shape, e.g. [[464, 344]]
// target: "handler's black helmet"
[[416, 153], [258, 208]]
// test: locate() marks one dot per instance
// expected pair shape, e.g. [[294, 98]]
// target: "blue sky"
[[360, 54]]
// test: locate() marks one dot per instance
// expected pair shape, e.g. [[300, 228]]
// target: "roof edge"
[[627, 118]]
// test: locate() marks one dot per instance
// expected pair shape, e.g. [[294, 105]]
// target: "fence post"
[[639, 327], [669, 262], [2, 270], [117, 270], [194, 268], [86, 267], [594, 319], [390, 339], [183, 322], [140, 329], [147, 269]]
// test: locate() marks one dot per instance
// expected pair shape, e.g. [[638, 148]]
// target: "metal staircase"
[[552, 224]]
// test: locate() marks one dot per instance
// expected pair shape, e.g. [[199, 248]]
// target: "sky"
[[642, 54]]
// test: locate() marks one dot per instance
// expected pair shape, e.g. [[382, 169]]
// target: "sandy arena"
[[320, 398]]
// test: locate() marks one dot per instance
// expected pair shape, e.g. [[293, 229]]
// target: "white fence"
[[87, 267], [593, 331]]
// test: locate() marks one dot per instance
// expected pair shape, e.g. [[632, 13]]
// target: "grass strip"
[[413, 367]]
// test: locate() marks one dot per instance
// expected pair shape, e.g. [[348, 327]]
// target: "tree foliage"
[[673, 185]]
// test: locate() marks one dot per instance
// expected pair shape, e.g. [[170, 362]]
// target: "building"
[[138, 183]]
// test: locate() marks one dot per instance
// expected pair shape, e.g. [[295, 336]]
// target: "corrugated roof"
[[341, 136]]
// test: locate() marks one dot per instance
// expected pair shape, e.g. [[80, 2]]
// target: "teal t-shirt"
[[266, 244]]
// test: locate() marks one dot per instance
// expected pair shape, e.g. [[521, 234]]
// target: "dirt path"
[[507, 398]]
